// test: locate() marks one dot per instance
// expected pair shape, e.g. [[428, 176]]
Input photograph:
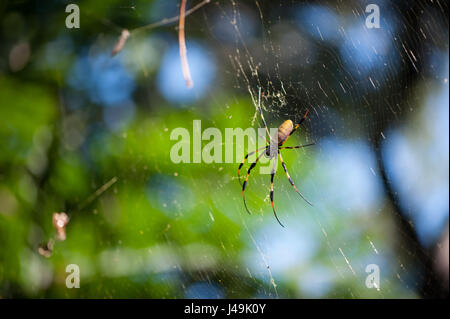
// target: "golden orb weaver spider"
[[271, 150]]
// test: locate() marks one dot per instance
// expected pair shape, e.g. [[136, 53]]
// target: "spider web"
[[143, 226], [353, 81]]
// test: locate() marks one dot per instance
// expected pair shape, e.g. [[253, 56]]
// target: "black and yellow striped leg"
[[245, 159], [290, 179], [294, 147], [300, 122], [246, 179], [272, 175]]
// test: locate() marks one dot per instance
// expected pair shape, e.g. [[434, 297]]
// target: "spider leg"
[[300, 122], [245, 159], [272, 174], [261, 113], [246, 179], [293, 147], [290, 179]]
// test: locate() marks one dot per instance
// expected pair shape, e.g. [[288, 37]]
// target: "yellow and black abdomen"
[[284, 131]]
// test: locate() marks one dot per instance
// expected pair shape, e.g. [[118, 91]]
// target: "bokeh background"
[[73, 118]]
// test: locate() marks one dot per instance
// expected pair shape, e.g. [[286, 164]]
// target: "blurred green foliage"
[[162, 226]]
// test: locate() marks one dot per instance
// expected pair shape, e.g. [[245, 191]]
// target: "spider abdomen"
[[284, 131]]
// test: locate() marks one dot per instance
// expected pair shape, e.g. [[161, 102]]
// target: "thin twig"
[[97, 193], [169, 20], [182, 43], [60, 220], [121, 42], [126, 33]]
